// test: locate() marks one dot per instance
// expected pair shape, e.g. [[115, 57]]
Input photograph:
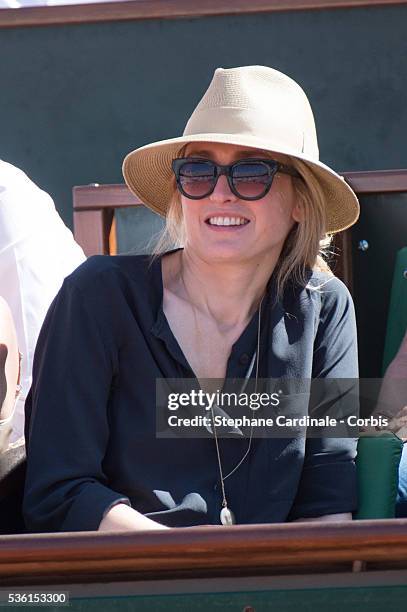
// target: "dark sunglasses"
[[249, 179]]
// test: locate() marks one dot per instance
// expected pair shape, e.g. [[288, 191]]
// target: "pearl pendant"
[[227, 517]]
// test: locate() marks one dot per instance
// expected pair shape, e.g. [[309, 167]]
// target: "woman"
[[241, 299]]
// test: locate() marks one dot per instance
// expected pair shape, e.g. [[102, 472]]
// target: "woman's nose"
[[222, 191]]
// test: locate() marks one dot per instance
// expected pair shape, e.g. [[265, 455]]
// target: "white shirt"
[[37, 251]]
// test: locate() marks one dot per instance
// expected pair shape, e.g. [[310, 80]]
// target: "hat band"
[[247, 122]]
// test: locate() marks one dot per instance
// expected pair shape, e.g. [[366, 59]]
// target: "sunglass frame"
[[273, 166]]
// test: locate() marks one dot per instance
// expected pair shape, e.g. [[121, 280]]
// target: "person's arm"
[[392, 401], [9, 361], [76, 366], [327, 489]]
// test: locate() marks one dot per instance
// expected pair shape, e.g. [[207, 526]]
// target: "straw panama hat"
[[253, 106]]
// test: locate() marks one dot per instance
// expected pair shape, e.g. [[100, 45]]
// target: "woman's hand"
[[124, 518]]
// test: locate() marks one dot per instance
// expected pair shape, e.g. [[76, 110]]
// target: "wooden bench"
[[357, 566]]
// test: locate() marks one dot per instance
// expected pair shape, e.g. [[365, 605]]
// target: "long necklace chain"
[[226, 515]]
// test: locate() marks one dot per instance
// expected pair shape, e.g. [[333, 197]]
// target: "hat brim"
[[148, 174]]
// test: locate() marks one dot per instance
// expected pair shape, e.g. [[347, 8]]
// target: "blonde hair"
[[306, 246]]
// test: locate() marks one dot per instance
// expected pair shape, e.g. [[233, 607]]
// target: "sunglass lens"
[[197, 178], [251, 179]]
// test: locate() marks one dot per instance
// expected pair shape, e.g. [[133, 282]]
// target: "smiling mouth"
[[227, 221]]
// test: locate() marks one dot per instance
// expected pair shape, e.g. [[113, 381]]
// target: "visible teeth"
[[227, 221]]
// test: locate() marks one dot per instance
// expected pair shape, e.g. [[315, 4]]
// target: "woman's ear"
[[298, 212]]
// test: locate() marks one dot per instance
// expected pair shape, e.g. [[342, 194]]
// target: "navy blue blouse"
[[91, 420]]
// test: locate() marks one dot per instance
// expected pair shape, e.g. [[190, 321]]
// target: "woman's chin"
[[228, 252]]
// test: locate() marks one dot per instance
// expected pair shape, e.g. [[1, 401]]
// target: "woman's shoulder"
[[326, 282], [328, 285], [106, 290], [321, 291], [107, 271], [330, 293]]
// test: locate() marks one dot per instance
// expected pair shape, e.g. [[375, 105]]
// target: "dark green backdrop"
[[75, 99]]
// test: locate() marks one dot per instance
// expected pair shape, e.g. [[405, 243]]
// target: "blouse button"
[[244, 359]]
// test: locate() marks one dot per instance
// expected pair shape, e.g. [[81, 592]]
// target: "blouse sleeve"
[[328, 480], [67, 428]]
